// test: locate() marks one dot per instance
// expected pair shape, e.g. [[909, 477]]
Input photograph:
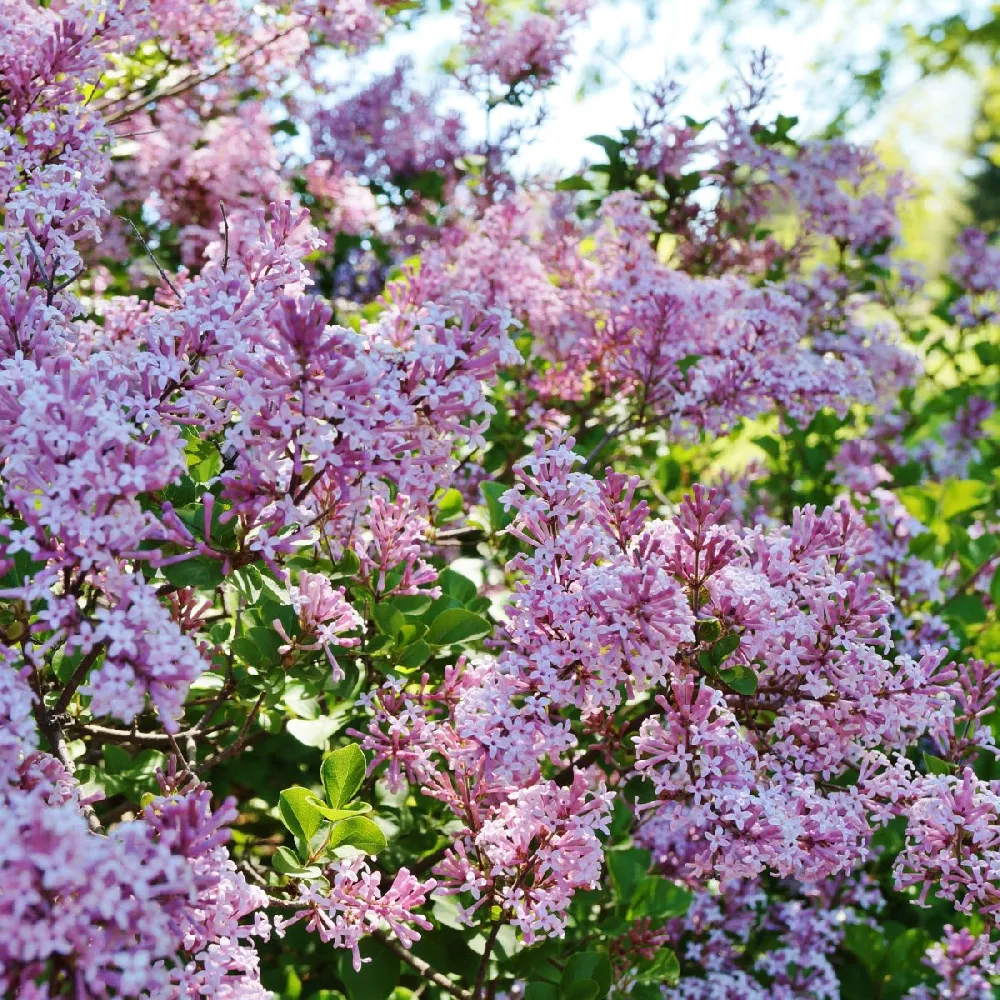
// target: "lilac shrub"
[[419, 579]]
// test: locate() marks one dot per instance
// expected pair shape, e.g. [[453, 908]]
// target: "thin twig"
[[145, 246], [422, 967], [57, 742], [477, 993], [142, 739], [971, 579], [48, 281], [77, 679], [241, 740], [225, 225], [609, 435], [187, 83]]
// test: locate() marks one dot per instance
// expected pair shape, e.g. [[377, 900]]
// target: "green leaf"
[[541, 991], [116, 760], [389, 620], [286, 862], [455, 585], [268, 642], [449, 506], [610, 146], [348, 565], [574, 183], [336, 815], [581, 989], [935, 765], [457, 625], [415, 655], [663, 968], [377, 978], [868, 944], [314, 732], [966, 608], [628, 868], [588, 966], [688, 362], [724, 647], [708, 630], [343, 773], [410, 633], [201, 572], [297, 806], [740, 678], [500, 517], [359, 832], [659, 898], [771, 445], [960, 495], [411, 604], [995, 588]]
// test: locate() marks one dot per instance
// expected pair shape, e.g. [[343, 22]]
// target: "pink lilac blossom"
[[752, 772], [807, 929], [744, 164], [976, 270], [17, 727], [688, 354], [355, 905], [528, 50], [966, 963], [324, 617], [389, 133], [352, 207], [100, 910], [532, 853]]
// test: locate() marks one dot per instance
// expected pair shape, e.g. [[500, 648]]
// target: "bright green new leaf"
[[343, 772]]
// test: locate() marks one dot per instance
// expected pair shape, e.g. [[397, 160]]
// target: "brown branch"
[[187, 83], [77, 679], [241, 740], [225, 225], [971, 579], [156, 263], [477, 993], [142, 739], [57, 741], [422, 967]]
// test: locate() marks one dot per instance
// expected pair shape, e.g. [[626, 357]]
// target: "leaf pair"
[[319, 826]]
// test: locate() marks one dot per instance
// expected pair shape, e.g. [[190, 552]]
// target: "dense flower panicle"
[[966, 732], [953, 842], [218, 958], [523, 52], [184, 170], [146, 653], [324, 615], [388, 132], [18, 736], [532, 854], [76, 454], [744, 690], [152, 908], [693, 354], [976, 269], [102, 909], [840, 192], [352, 208], [811, 633], [965, 962], [808, 927], [355, 905]]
